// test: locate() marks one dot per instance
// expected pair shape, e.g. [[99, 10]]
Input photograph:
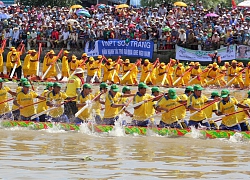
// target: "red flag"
[[233, 4]]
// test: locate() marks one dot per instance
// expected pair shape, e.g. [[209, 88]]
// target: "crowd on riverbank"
[[65, 27]]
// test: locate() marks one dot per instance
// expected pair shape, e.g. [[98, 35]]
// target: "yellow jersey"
[[82, 99], [65, 64], [4, 107], [97, 105], [210, 109], [197, 102], [24, 100], [33, 65], [56, 99], [242, 116], [89, 71], [111, 112], [26, 62], [143, 112], [18, 89], [8, 61], [226, 108], [73, 84], [181, 111], [42, 106], [171, 116]]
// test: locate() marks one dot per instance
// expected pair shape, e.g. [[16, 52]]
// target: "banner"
[[226, 53], [243, 52], [113, 47]]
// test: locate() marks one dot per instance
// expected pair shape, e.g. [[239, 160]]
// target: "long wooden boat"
[[170, 132]]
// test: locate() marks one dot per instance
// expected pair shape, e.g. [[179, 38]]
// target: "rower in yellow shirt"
[[4, 106], [55, 98], [135, 71], [65, 65], [221, 77], [195, 72], [247, 76], [128, 80], [45, 59], [42, 106], [233, 71], [243, 116], [34, 61], [239, 77], [170, 72], [124, 100], [160, 71], [179, 71], [9, 65], [212, 109], [91, 68], [146, 70], [82, 61], [212, 74], [26, 64], [98, 104], [51, 62], [84, 99], [181, 111], [151, 104], [115, 74], [167, 102], [141, 112], [15, 59], [187, 77], [194, 103], [15, 109], [73, 64], [99, 65], [228, 105], [108, 71], [24, 100]]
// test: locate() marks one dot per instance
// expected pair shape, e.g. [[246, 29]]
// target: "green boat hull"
[[211, 134]]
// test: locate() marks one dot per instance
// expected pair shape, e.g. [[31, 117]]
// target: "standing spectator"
[[54, 38], [216, 41], [33, 37], [182, 38], [15, 37]]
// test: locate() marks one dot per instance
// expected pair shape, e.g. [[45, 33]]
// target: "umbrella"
[[211, 15], [83, 12], [72, 21], [1, 4], [4, 16], [244, 4], [76, 6], [166, 28], [182, 4], [122, 6], [131, 26], [101, 6]]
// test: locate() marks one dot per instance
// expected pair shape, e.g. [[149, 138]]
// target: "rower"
[[82, 100], [128, 80], [242, 116], [33, 63], [232, 72], [1, 62], [4, 107], [65, 65], [73, 89], [15, 109], [141, 115], [98, 104], [194, 103], [227, 105], [160, 73], [179, 71], [26, 64], [195, 72], [212, 74], [42, 106], [151, 104], [25, 98], [108, 70], [99, 65], [55, 98], [181, 111], [171, 72], [73, 64], [15, 58], [51, 62], [91, 68], [9, 65], [212, 109], [247, 76], [124, 100], [111, 105], [169, 118], [186, 78], [146, 68]]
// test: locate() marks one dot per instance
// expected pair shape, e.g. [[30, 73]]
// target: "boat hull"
[[211, 134]]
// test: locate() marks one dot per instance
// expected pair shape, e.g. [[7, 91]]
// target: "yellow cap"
[[13, 50], [210, 65], [172, 60], [127, 61], [146, 61], [197, 64], [66, 52], [109, 60], [34, 51], [234, 62], [223, 68], [226, 63], [162, 64], [191, 64], [99, 57], [248, 63], [180, 65], [84, 54], [240, 64], [91, 59], [214, 64]]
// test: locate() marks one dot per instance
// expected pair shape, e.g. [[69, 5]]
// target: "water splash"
[[118, 129], [56, 128], [194, 133], [84, 128], [237, 137]]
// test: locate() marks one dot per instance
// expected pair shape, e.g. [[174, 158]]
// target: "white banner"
[[227, 53]]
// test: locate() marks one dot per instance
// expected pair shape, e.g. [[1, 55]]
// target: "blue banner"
[[114, 47]]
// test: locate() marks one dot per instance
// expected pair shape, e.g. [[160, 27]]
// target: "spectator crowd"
[[193, 26]]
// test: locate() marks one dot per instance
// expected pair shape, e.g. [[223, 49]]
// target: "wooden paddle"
[[125, 106], [142, 102], [38, 59], [225, 115], [126, 74], [14, 68], [204, 71], [96, 71], [57, 57], [179, 78], [229, 82], [165, 74], [149, 73], [195, 112]]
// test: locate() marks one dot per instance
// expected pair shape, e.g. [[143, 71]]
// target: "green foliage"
[[60, 3]]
